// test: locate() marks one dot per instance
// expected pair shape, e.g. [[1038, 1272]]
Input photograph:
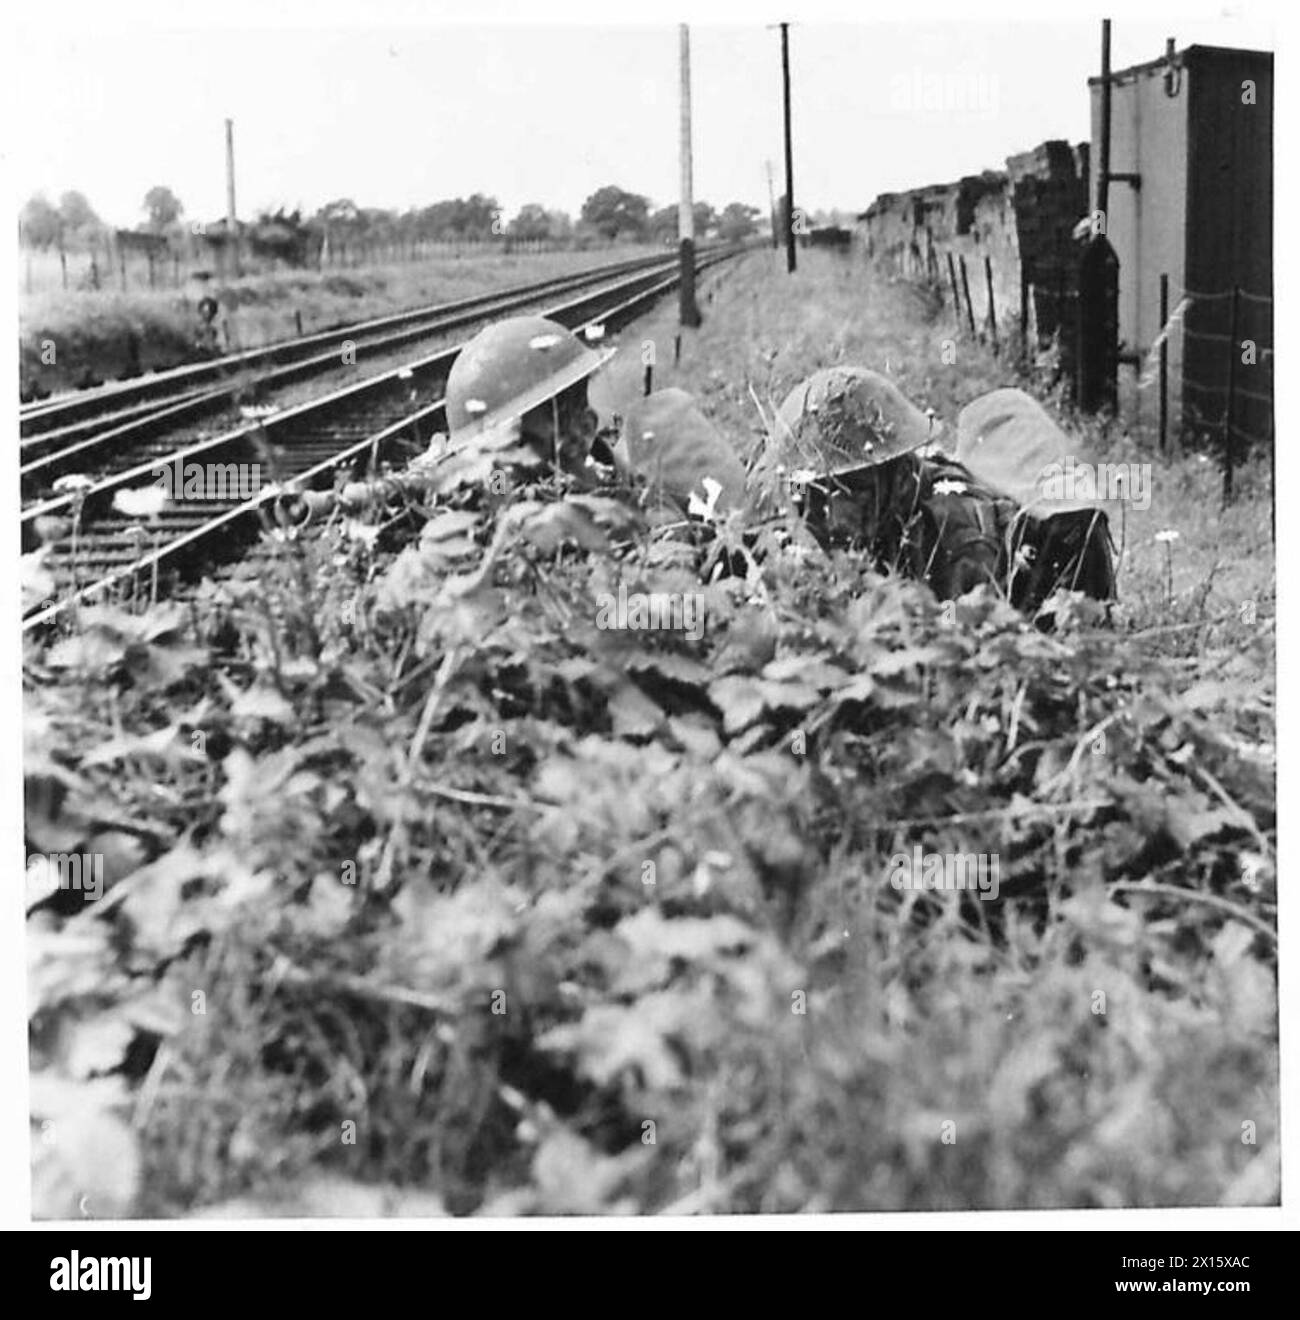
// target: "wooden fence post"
[[1164, 363], [1272, 477], [993, 314], [1024, 315], [965, 285], [1229, 442], [1060, 288], [956, 297]]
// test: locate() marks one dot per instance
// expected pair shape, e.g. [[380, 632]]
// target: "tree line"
[[611, 213]]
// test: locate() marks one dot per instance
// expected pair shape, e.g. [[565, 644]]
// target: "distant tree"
[[40, 222], [480, 217], [561, 224], [477, 216], [341, 223], [162, 206], [532, 222], [737, 221], [343, 212], [283, 236], [662, 226], [615, 213], [380, 225], [434, 221], [77, 214]]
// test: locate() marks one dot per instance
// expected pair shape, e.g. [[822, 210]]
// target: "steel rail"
[[318, 458]]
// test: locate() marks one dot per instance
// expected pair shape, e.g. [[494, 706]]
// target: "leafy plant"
[[427, 893]]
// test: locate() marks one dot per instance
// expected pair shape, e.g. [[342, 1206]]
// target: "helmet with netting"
[[843, 419]]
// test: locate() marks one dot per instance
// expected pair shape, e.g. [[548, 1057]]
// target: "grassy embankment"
[[426, 892]]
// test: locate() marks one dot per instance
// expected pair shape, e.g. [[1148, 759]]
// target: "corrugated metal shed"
[[1197, 130]]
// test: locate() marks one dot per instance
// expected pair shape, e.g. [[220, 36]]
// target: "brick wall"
[[1020, 218]]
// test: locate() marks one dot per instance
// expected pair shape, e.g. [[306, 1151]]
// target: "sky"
[[391, 107]]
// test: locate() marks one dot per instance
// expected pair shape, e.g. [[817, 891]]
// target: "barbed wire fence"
[[1225, 373], [1221, 369], [110, 263]]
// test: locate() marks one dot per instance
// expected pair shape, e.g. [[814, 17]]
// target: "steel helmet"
[[512, 367], [1007, 439], [842, 419], [673, 445]]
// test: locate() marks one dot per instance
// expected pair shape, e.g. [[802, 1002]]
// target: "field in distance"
[[68, 340]]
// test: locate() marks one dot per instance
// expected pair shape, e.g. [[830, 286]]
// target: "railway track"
[[92, 545], [63, 435]]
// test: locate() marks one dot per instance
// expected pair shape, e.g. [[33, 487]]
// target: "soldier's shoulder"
[[672, 444]]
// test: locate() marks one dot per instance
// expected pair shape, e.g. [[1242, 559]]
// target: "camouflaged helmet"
[[842, 419], [668, 441], [1010, 442], [512, 367]]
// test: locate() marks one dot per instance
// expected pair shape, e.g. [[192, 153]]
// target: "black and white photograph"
[[633, 616]]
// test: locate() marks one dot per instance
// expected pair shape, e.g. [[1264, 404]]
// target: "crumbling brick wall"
[[1021, 219]]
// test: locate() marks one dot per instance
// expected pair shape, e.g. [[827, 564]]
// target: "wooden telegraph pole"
[[771, 207], [232, 231], [688, 312], [790, 259], [1102, 198]]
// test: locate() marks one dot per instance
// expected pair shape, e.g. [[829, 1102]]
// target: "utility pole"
[[688, 312], [771, 206], [232, 230], [1103, 156], [790, 259]]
